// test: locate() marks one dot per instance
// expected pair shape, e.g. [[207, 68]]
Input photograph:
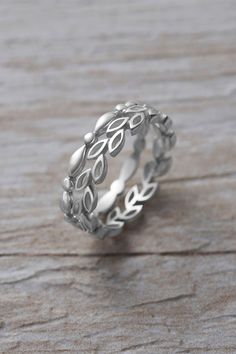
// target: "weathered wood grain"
[[143, 304], [168, 284]]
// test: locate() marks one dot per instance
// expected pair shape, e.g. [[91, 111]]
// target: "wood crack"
[[219, 317], [165, 300], [40, 323], [186, 253], [46, 271], [229, 174], [140, 345]]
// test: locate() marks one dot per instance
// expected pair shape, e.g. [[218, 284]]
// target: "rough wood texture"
[[167, 285]]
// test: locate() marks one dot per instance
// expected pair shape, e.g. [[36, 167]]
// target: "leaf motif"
[[136, 122], [89, 222], [148, 191], [158, 148], [152, 112], [97, 149], [66, 203], [149, 171], [77, 207], [99, 170], [120, 107], [167, 122], [67, 184], [94, 222], [130, 103], [113, 214], [116, 143], [136, 108], [131, 214], [81, 226], [90, 199], [85, 223], [116, 125], [104, 120], [71, 219], [172, 139], [83, 180], [132, 197], [116, 224], [113, 221], [77, 161], [163, 166]]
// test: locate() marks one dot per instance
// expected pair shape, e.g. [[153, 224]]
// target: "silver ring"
[[94, 211]]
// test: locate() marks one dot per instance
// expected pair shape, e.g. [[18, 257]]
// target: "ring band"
[[81, 201]]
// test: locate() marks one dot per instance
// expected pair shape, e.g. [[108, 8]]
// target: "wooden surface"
[[168, 285]]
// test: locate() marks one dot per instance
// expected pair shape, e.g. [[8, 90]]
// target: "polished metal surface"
[[81, 203]]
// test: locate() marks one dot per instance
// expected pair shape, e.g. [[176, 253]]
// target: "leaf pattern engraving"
[[158, 148], [97, 149], [131, 214], [149, 171], [163, 166], [89, 222], [113, 219], [116, 125], [148, 191], [113, 214], [77, 161], [83, 180], [77, 207], [132, 197], [116, 143], [85, 223], [66, 203], [136, 108], [136, 122], [104, 120], [99, 170], [89, 199]]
